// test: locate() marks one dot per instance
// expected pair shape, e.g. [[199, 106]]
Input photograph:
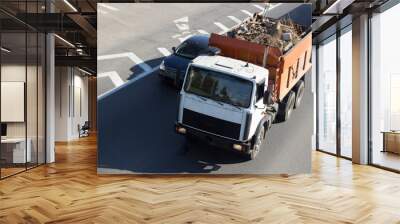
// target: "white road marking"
[[181, 39], [236, 20], [247, 12], [222, 27], [108, 7], [274, 5], [114, 76], [129, 55], [203, 32], [164, 51], [259, 7], [182, 26], [140, 76], [182, 20]]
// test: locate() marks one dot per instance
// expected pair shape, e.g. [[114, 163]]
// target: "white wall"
[[71, 87], [12, 73], [33, 126]]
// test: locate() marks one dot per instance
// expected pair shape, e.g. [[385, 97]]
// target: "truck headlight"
[[162, 66], [181, 130]]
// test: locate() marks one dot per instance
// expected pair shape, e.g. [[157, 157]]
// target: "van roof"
[[238, 67]]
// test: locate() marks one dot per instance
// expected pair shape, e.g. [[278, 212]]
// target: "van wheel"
[[256, 146], [286, 107], [299, 93]]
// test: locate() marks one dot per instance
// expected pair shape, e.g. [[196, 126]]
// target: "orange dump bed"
[[285, 69]]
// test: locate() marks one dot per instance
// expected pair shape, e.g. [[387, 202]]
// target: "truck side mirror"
[[267, 100], [174, 49]]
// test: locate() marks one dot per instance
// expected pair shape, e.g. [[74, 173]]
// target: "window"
[[22, 77], [326, 135], [260, 91], [219, 87], [190, 49], [334, 94], [346, 92], [385, 89]]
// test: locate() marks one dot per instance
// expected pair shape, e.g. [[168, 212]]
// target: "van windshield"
[[219, 87]]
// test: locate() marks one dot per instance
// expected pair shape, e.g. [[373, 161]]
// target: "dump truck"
[[231, 99]]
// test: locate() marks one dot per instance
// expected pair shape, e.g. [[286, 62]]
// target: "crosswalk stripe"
[[236, 20], [138, 61], [114, 76], [184, 19], [274, 5], [108, 7], [259, 7], [129, 55], [164, 51], [247, 12], [222, 27], [203, 32], [182, 26], [136, 78]]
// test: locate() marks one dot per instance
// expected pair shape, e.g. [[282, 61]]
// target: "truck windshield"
[[219, 87]]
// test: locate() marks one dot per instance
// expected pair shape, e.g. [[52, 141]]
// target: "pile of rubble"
[[282, 33]]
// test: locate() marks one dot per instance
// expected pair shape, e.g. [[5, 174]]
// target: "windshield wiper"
[[236, 106], [219, 102], [222, 103], [203, 98]]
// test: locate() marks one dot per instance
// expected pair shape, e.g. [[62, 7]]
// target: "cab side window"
[[260, 91]]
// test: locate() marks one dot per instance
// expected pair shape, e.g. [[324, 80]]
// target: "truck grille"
[[211, 124]]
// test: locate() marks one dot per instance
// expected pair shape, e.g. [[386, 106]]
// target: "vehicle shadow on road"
[[136, 132], [137, 68]]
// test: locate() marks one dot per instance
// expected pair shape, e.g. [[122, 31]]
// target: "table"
[[15, 148], [391, 141]]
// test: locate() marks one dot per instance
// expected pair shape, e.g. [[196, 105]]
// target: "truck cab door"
[[259, 107]]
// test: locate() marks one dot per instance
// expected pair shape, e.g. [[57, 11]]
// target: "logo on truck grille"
[[211, 124]]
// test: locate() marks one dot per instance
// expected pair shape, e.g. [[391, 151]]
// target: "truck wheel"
[[256, 146], [299, 93], [286, 107]]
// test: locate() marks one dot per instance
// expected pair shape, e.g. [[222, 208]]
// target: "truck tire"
[[286, 107], [257, 143], [299, 93]]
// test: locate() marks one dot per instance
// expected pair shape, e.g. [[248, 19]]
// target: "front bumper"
[[212, 139]]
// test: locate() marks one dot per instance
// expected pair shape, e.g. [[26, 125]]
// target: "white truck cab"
[[222, 102]]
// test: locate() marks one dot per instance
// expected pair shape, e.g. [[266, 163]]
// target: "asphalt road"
[[136, 117]]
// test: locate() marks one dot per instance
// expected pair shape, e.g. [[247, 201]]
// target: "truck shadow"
[[136, 132], [137, 69]]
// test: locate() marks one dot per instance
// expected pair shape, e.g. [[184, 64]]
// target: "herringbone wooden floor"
[[70, 191]]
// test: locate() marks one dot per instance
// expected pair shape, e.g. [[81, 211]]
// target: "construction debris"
[[280, 33]]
